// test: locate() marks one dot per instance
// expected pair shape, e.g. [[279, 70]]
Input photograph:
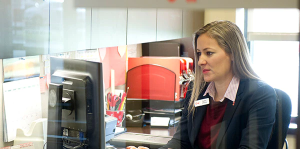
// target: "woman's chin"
[[207, 79]]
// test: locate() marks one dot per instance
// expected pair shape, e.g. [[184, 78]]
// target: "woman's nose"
[[202, 61]]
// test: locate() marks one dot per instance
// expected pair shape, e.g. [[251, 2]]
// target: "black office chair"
[[283, 118]]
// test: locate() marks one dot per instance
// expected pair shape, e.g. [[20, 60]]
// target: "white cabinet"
[[70, 27], [169, 24], [108, 27], [24, 28], [141, 25]]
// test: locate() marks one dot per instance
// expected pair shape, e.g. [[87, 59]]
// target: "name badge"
[[201, 102]]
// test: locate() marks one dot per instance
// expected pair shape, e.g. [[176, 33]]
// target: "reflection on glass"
[[69, 27], [25, 28]]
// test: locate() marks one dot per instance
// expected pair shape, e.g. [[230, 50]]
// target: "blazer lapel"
[[230, 110], [197, 120]]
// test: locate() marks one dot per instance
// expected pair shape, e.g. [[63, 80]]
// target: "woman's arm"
[[261, 117]]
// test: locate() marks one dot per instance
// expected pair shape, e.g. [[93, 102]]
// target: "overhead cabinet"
[[70, 27], [141, 25], [24, 28], [108, 27], [36, 27], [169, 24]]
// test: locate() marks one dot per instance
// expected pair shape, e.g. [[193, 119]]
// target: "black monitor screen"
[[76, 105]]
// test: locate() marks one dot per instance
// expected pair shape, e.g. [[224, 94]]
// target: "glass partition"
[[135, 95]]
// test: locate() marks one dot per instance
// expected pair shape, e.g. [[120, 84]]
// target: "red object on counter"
[[117, 114], [151, 82], [182, 66], [164, 74]]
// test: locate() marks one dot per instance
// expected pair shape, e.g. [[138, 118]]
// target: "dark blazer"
[[247, 124]]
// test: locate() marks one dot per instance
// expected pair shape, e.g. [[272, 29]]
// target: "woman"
[[228, 107]]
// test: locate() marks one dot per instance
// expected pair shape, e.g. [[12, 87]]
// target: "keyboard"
[[139, 139]]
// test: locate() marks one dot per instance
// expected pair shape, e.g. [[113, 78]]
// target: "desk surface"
[[153, 131]]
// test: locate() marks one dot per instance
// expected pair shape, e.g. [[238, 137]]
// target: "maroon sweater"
[[211, 124]]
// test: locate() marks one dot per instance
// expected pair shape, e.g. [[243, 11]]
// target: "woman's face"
[[215, 63]]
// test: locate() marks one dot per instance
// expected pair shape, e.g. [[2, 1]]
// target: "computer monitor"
[[76, 115]]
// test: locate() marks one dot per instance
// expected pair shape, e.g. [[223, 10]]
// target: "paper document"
[[160, 121], [22, 105]]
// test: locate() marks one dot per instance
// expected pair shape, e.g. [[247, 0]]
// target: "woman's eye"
[[199, 54], [209, 53]]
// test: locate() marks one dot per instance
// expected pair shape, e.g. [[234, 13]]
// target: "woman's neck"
[[221, 87]]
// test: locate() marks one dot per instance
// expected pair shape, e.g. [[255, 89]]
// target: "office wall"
[[192, 21], [219, 14]]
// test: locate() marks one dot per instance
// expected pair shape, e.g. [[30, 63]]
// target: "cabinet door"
[[141, 25], [70, 27], [108, 27], [169, 24], [24, 28]]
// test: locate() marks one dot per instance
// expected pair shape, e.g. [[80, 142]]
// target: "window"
[[273, 20], [274, 47], [280, 68]]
